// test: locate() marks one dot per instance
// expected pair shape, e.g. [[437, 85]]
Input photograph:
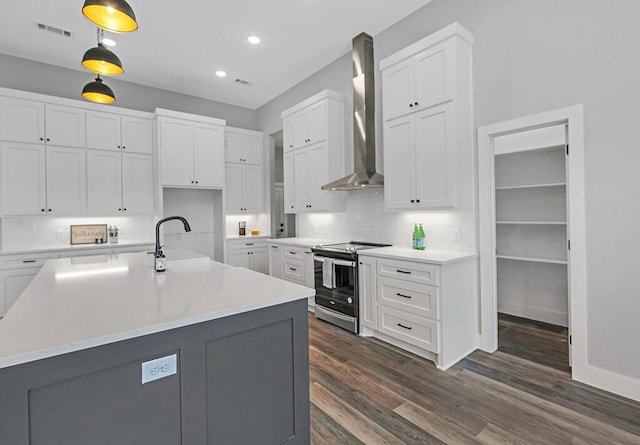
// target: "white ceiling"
[[180, 44]]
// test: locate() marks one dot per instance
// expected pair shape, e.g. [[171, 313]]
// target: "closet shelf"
[[533, 260], [546, 223], [532, 186]]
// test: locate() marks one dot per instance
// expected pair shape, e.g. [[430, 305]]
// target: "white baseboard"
[[609, 381], [533, 313]]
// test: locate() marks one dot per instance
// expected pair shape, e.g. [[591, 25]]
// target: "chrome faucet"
[[159, 255]]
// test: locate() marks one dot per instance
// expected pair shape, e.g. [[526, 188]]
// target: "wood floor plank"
[[492, 435], [326, 431]]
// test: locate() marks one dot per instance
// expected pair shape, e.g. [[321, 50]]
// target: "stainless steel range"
[[336, 282]]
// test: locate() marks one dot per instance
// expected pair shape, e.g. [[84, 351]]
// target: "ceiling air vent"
[[53, 29], [243, 82]]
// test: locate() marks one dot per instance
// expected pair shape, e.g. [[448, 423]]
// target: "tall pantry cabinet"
[[428, 129]]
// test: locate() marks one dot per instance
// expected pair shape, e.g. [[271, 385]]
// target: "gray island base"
[[241, 379]]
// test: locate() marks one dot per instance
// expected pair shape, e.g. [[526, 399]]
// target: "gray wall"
[[27, 75], [535, 56]]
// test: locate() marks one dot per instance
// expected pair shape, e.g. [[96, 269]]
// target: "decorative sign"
[[90, 234]]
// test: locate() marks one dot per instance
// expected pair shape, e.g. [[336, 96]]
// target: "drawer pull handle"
[[248, 244], [408, 328], [28, 261], [403, 271], [293, 269], [274, 247], [403, 296], [293, 253]]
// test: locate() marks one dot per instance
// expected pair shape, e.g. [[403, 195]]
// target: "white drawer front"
[[418, 299], [294, 270], [293, 252], [247, 243], [410, 271], [25, 260], [412, 329]]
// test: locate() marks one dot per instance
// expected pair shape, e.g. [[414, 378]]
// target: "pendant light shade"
[[100, 60], [97, 91], [112, 15]]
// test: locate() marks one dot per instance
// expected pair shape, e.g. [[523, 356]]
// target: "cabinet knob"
[[417, 200], [119, 146], [48, 139], [119, 210], [124, 148], [125, 210], [192, 182], [49, 209], [42, 210], [415, 103], [196, 182], [411, 105], [42, 139], [413, 200]]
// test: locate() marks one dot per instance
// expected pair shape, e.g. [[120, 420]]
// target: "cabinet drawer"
[[418, 299], [412, 329], [410, 271], [294, 270], [293, 252], [247, 243], [25, 260]]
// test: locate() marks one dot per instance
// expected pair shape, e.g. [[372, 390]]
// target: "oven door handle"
[[335, 262]]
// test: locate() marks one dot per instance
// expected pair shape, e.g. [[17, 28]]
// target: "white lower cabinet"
[[294, 264], [250, 254], [428, 308]]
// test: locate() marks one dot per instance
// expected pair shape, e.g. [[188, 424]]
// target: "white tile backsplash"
[[366, 220], [261, 222]]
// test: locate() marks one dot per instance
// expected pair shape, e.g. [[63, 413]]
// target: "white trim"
[[577, 273], [536, 313], [162, 112], [236, 130], [80, 104], [454, 29], [325, 94]]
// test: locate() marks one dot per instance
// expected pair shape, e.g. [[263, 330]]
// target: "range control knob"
[[349, 300]]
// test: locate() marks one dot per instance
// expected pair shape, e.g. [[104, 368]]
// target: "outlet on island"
[[159, 368]]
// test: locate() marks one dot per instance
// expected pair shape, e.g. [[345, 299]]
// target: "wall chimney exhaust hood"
[[364, 131]]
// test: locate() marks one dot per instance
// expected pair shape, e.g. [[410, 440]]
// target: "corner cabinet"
[[314, 155], [244, 171], [249, 253], [428, 125], [191, 150]]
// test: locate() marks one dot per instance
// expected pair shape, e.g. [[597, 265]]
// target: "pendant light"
[[112, 15], [97, 91], [101, 60]]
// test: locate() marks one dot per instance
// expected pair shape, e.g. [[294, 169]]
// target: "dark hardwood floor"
[[364, 391]]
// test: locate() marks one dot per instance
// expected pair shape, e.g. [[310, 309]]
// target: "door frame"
[[573, 118]]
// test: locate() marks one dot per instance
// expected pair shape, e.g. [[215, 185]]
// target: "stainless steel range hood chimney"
[[364, 130]]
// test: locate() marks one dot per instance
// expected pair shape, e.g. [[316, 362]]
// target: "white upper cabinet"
[[104, 182], [244, 171], [34, 122], [313, 139], [109, 131], [428, 124], [191, 150], [137, 184], [23, 179], [66, 181]]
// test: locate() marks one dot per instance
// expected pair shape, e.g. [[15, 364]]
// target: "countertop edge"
[[78, 248], [384, 252]]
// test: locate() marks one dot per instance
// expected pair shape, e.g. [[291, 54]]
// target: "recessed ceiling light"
[[254, 40], [108, 42], [221, 73]]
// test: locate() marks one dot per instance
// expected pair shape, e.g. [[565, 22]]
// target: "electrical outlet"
[[455, 234], [159, 368]]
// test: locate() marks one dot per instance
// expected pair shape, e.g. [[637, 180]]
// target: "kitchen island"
[[223, 353]]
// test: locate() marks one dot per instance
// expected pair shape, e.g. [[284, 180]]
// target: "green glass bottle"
[[415, 236], [420, 243]]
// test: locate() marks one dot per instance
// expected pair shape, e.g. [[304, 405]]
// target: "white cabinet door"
[[104, 182], [260, 260], [399, 169], [12, 284], [367, 292], [317, 126], [398, 92], [302, 179], [317, 176], [275, 261], [137, 135], [103, 131], [289, 183], [239, 258], [287, 134], [137, 184], [252, 149], [65, 126], [434, 74], [234, 190], [233, 147], [208, 149], [435, 158], [301, 129], [252, 188], [66, 181], [23, 179], [177, 152], [21, 120]]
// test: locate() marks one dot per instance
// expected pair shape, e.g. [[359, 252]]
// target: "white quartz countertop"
[[245, 237], [426, 256], [302, 242], [83, 302], [78, 247]]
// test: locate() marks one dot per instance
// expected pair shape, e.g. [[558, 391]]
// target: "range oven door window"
[[342, 297]]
